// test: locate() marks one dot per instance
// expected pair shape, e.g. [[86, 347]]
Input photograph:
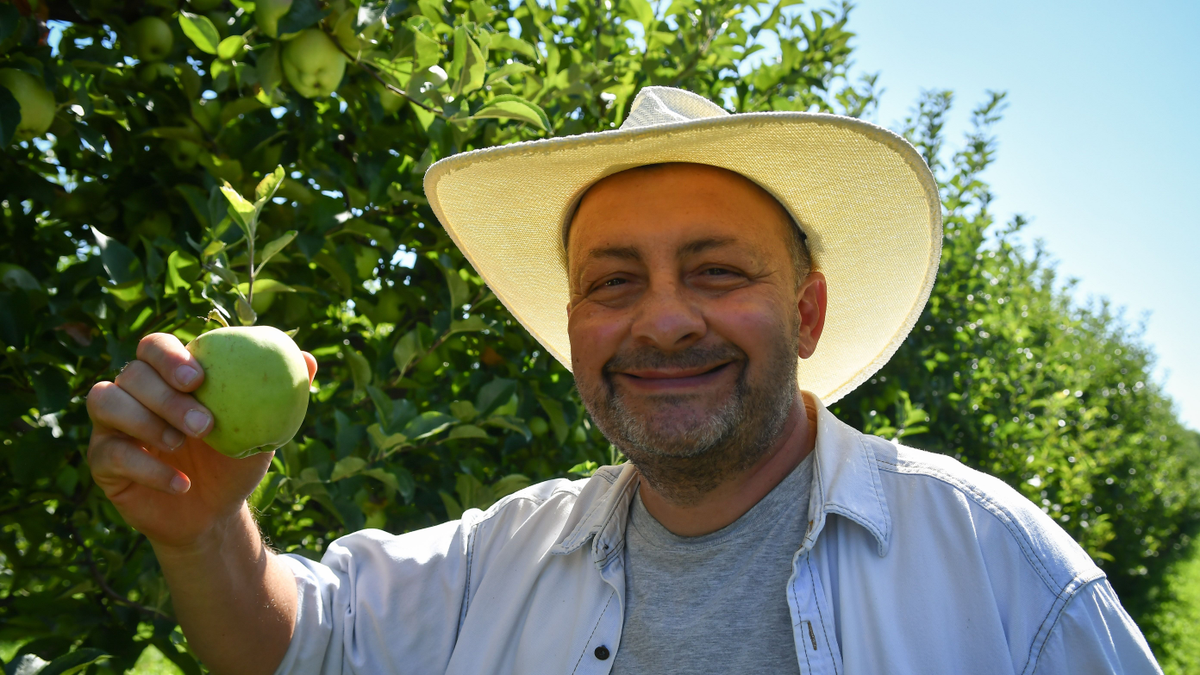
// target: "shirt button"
[[602, 652]]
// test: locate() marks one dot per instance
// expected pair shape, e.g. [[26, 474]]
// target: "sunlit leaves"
[[201, 31]]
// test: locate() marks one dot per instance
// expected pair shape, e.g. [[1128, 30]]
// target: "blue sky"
[[1099, 145]]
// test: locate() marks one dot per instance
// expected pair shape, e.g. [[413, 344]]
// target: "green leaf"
[[513, 44], [467, 431], [472, 494], [245, 312], [269, 69], [428, 424], [91, 137], [427, 51], [10, 115], [385, 443], [267, 186], [494, 394], [384, 477], [558, 422], [74, 662], [200, 30], [226, 275], [585, 469], [301, 15], [346, 467], [463, 410], [510, 484], [275, 246], [471, 324], [460, 294], [264, 494], [470, 65], [453, 510], [508, 106], [407, 349], [15, 276], [181, 272], [241, 210], [119, 262], [231, 47], [360, 369], [511, 423]]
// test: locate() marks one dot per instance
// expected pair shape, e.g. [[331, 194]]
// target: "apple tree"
[[121, 123]]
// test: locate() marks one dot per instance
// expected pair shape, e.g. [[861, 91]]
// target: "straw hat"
[[863, 196]]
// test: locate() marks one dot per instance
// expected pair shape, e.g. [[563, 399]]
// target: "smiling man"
[[724, 277]]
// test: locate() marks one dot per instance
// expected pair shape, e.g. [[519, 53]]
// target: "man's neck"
[[740, 492]]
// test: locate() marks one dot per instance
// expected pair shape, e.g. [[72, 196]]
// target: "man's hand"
[[147, 452]]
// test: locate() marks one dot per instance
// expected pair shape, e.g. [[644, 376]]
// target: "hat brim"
[[862, 194]]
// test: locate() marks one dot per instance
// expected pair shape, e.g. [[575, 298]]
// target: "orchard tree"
[[129, 130]]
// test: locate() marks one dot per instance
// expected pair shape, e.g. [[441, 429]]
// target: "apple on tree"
[[256, 379], [313, 64], [152, 38], [255, 384], [37, 103], [267, 14]]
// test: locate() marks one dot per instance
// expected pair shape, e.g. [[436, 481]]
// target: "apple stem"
[[250, 265]]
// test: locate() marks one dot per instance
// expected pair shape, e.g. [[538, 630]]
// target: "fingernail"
[[179, 484], [186, 375], [197, 421], [172, 438]]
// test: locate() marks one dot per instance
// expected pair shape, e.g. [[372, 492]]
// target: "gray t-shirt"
[[714, 603]]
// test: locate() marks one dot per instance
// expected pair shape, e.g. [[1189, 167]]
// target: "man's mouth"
[[665, 379]]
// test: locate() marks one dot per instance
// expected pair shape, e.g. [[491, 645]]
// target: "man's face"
[[685, 317]]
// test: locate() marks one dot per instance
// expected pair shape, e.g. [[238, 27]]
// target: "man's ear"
[[811, 305]]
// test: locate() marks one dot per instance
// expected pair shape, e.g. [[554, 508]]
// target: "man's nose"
[[667, 319]]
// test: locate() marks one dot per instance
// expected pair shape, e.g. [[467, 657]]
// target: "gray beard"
[[689, 452]]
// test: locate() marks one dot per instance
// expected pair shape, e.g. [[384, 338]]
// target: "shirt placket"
[[812, 620], [601, 648]]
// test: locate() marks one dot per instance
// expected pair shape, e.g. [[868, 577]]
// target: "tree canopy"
[[121, 122]]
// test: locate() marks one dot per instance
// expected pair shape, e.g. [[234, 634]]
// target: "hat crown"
[[663, 105]]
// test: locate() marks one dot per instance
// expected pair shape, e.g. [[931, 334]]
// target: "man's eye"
[[612, 282], [716, 271]]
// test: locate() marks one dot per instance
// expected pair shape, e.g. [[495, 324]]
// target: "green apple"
[[267, 14], [313, 64], [37, 103], [183, 154], [388, 100], [152, 37], [149, 73], [255, 384]]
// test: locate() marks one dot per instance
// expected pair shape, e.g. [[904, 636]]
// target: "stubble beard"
[[681, 448]]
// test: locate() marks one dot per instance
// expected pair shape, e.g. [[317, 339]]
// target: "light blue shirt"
[[912, 563]]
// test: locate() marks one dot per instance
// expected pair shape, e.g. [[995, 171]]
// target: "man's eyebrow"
[[701, 245], [615, 252]]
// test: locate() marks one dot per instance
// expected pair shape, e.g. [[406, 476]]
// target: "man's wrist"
[[238, 529]]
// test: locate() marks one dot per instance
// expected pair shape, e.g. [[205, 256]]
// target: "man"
[[701, 258]]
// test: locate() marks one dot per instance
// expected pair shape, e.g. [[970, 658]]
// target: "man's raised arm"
[[235, 601]]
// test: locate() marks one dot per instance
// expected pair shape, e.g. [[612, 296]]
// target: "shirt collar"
[[845, 481]]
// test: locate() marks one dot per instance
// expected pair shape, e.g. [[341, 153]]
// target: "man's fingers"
[[112, 407], [311, 361], [179, 410], [115, 460], [173, 362]]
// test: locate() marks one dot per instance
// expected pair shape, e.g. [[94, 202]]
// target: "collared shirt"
[[912, 563]]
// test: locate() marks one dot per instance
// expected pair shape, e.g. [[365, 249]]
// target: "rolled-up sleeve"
[[379, 603], [1095, 635]]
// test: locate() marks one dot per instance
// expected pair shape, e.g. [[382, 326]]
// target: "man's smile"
[[673, 379]]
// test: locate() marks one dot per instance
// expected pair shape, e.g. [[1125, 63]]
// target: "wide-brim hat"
[[862, 194]]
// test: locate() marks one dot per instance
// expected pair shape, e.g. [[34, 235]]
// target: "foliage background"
[[430, 399]]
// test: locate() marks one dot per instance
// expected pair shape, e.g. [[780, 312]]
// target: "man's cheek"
[[594, 339]]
